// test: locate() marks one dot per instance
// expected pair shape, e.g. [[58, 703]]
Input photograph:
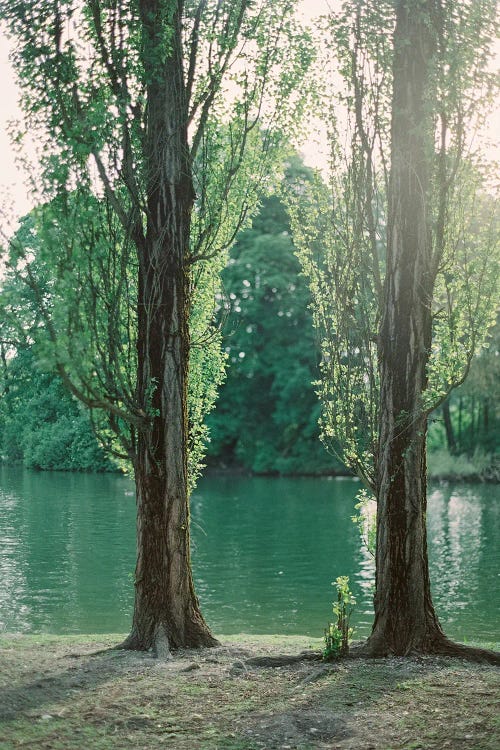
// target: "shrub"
[[338, 634]]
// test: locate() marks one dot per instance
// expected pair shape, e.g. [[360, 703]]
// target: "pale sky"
[[13, 193], [10, 178]]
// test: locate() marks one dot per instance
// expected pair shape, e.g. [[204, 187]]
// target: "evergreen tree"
[[266, 418]]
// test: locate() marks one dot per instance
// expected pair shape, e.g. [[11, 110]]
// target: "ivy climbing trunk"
[[166, 612], [405, 620]]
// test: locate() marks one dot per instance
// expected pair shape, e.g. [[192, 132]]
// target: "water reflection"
[[365, 580], [270, 551], [365, 574], [464, 558], [74, 542], [12, 566], [265, 552]]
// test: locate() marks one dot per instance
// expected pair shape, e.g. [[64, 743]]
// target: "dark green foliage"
[[473, 408], [41, 425], [464, 435], [266, 419]]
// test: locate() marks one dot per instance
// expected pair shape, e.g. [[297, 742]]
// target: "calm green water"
[[264, 550]]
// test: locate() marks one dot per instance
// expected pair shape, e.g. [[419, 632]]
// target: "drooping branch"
[[216, 72]]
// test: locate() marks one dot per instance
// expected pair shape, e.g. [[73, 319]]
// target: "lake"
[[265, 551]]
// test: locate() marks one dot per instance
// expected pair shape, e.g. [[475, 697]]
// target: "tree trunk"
[[405, 621], [166, 612], [448, 426]]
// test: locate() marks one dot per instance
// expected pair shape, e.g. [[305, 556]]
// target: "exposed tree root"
[[283, 660], [372, 650], [132, 643], [441, 646], [162, 647]]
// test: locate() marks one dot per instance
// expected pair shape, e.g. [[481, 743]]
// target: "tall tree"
[[128, 100], [266, 418], [403, 274], [404, 613], [41, 425]]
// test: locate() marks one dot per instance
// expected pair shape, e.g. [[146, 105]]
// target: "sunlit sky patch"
[[14, 199]]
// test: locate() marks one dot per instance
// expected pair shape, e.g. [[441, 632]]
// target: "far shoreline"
[[216, 471]]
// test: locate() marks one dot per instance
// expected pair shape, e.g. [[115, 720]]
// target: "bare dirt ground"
[[67, 693]]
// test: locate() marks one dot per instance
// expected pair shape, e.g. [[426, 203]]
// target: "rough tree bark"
[[166, 612], [405, 620]]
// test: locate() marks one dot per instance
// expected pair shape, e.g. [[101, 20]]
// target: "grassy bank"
[[67, 693], [480, 467]]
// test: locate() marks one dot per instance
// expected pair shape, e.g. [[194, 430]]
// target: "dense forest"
[[266, 416]]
